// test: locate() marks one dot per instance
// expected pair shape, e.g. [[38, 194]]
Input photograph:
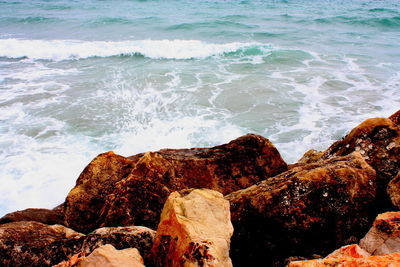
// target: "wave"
[[57, 50], [387, 22]]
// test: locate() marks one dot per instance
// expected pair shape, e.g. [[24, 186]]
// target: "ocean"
[[78, 78]]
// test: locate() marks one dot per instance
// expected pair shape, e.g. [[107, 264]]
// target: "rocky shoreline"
[[235, 204]]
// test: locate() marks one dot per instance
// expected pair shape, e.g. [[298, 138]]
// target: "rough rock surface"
[[195, 230], [118, 191], [378, 141], [395, 117], [384, 236], [38, 215], [36, 244], [393, 190], [311, 209], [138, 237], [353, 251], [108, 256], [390, 260]]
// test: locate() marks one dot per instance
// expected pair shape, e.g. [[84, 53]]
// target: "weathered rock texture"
[[353, 251], [108, 256], [395, 117], [310, 209], [195, 230], [38, 215], [393, 191], [36, 244], [390, 260], [138, 237], [384, 236], [118, 191], [378, 141]]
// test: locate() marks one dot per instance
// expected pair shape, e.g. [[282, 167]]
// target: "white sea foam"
[[76, 49]]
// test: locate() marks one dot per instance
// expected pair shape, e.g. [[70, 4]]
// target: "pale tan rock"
[[195, 230], [108, 256], [384, 236]]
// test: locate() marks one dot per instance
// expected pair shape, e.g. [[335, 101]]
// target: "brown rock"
[[138, 237], [97, 180], [311, 209], [395, 117], [195, 230], [118, 191], [378, 141], [310, 156], [36, 244], [384, 236], [38, 215], [108, 256], [393, 190], [390, 260]]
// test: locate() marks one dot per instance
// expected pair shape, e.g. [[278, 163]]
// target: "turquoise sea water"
[[78, 78]]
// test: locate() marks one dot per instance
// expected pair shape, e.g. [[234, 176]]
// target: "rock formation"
[[384, 237], [194, 230], [393, 191], [378, 141], [38, 215], [118, 191], [390, 260], [36, 244], [108, 256], [309, 209], [138, 237]]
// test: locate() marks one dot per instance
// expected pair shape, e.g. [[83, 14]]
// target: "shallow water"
[[78, 78]]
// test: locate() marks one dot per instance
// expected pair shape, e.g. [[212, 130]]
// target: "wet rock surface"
[[309, 209], [194, 230], [36, 244], [118, 191]]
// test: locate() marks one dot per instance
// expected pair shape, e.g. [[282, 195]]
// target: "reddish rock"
[[353, 251], [395, 117], [138, 237], [378, 141], [384, 237], [118, 191], [36, 244], [393, 190], [38, 215], [390, 260], [307, 210], [194, 230]]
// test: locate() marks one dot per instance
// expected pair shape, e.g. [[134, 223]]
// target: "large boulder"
[[310, 209], [138, 237], [118, 191], [384, 236], [378, 141], [45, 216], [36, 244], [195, 230]]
